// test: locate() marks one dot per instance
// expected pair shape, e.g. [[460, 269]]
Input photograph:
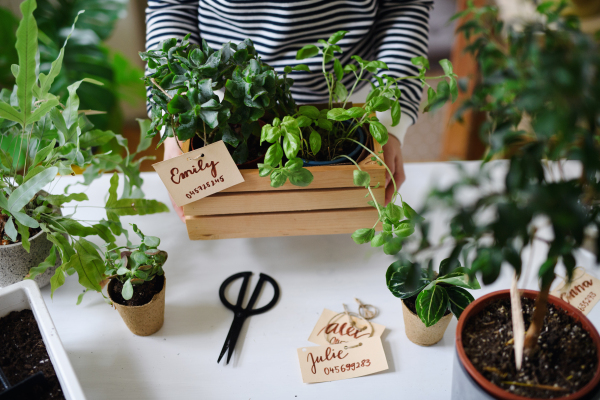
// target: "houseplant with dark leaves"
[[56, 138], [183, 79]]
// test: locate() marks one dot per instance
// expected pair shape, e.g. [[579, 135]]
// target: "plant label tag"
[[342, 361], [335, 328], [583, 292], [199, 173]]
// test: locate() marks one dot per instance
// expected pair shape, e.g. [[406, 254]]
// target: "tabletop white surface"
[[313, 272]]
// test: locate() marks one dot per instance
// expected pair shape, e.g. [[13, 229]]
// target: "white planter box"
[[26, 295]]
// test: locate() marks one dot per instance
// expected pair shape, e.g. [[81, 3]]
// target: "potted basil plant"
[[428, 298]]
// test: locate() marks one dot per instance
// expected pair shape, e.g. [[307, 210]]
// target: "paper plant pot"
[[15, 262], [26, 295], [143, 320], [468, 383], [418, 333]]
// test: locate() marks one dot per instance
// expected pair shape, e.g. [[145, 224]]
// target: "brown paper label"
[[342, 361], [335, 328], [199, 173], [583, 292]]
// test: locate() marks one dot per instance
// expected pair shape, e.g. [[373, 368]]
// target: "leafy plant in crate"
[[184, 78], [311, 136], [56, 138], [137, 283], [539, 88]]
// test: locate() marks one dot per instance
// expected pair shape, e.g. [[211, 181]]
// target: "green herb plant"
[[57, 137], [184, 76], [313, 134], [435, 293], [137, 265]]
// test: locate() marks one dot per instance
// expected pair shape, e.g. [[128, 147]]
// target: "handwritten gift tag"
[[335, 328], [342, 361], [583, 292], [199, 173]]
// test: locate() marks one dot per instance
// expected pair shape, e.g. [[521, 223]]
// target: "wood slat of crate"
[[330, 205]]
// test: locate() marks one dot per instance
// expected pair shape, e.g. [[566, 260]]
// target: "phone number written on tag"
[[347, 367], [204, 186]]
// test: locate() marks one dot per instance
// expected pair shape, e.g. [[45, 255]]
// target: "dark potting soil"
[[142, 294], [411, 304], [23, 353], [331, 147], [566, 356]]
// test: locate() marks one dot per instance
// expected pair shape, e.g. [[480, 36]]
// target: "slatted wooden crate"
[[331, 204]]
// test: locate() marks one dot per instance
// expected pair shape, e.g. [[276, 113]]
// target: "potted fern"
[[54, 137]]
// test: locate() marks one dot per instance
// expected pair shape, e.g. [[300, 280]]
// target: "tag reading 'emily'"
[[334, 328], [199, 173], [583, 292], [342, 361]]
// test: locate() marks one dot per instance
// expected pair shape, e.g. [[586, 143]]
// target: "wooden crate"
[[330, 204]]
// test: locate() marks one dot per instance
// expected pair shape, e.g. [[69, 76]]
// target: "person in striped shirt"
[[393, 31]]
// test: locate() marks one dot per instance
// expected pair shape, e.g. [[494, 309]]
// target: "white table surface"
[[313, 272]]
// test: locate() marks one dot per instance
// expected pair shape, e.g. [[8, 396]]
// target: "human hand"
[[392, 152], [172, 150]]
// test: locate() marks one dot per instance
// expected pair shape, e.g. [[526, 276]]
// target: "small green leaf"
[[392, 246], [24, 231], [459, 300], [127, 291], [10, 229], [396, 113], [432, 305], [380, 239], [338, 69], [152, 241], [311, 112], [315, 141], [336, 37], [57, 280], [301, 67], [379, 132], [362, 178], [394, 212], [274, 155], [307, 51], [404, 229], [447, 67], [301, 177], [364, 235]]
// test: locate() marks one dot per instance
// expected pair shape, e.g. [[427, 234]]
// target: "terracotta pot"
[[143, 320], [495, 391], [418, 333]]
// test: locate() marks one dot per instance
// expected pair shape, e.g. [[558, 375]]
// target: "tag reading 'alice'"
[[342, 361], [583, 292], [334, 328], [199, 173]]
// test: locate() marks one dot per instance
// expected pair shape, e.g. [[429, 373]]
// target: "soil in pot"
[[23, 353], [142, 294], [565, 360]]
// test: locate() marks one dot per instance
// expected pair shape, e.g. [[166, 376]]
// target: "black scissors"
[[240, 313]]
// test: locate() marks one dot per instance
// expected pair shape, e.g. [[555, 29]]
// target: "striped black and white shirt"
[[393, 31]]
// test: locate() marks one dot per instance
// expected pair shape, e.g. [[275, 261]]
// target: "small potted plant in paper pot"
[[429, 299], [137, 284]]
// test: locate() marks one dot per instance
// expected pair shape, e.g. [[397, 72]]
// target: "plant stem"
[[537, 320], [159, 88], [358, 77]]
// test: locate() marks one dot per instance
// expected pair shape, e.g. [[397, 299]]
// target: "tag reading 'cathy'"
[[583, 292], [199, 173], [334, 328], [342, 361]]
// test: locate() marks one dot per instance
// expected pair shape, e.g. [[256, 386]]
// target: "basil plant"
[[184, 77], [436, 293]]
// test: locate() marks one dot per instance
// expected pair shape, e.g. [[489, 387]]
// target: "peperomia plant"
[[55, 138], [183, 78], [435, 293], [137, 265], [312, 134]]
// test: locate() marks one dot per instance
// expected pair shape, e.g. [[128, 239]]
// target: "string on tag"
[[195, 158], [367, 311], [352, 321], [564, 279], [351, 347]]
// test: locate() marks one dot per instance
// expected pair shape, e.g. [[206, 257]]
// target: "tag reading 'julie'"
[[342, 361], [583, 292], [332, 328], [199, 173]]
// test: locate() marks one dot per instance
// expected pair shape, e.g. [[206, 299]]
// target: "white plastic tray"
[[26, 295]]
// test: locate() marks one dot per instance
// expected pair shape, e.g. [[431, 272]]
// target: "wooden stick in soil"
[[537, 320], [536, 386], [517, 321]]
